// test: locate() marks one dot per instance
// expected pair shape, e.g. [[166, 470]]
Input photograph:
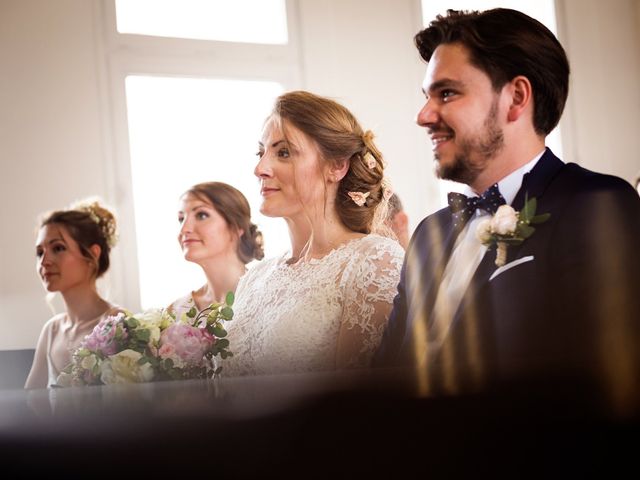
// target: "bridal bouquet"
[[149, 346]]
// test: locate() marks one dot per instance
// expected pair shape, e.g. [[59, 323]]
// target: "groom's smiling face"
[[462, 114]]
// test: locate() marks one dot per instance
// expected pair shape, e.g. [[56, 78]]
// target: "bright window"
[[249, 21], [184, 131]]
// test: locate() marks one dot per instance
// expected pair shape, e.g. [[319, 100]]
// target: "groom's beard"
[[475, 152]]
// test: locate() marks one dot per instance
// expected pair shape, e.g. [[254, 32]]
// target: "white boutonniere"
[[508, 227]]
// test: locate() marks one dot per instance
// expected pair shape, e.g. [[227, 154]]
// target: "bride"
[[324, 306]]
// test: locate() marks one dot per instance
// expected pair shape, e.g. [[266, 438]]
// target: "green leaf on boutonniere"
[[192, 312], [529, 210], [540, 218], [525, 230], [528, 213]]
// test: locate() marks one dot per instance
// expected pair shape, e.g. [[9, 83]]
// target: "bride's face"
[[291, 172], [204, 233]]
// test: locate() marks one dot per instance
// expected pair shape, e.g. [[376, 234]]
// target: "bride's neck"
[[315, 239], [299, 233]]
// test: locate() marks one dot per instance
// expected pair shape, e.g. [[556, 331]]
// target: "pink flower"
[[359, 198], [103, 337], [186, 343], [167, 351]]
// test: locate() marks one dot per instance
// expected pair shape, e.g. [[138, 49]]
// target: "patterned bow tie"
[[464, 207]]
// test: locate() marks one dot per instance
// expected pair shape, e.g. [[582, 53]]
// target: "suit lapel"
[[425, 273], [426, 267], [538, 179]]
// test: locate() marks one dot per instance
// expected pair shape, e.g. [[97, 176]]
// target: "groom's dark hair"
[[505, 43]]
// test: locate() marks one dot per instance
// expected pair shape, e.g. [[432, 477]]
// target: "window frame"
[[132, 54]]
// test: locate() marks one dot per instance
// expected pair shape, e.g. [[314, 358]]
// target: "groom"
[[565, 301]]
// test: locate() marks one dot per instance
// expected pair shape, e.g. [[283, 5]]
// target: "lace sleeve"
[[370, 282]]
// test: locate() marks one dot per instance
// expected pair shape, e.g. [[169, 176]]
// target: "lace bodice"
[[321, 314]]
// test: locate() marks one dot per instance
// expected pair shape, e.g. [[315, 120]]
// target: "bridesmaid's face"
[[204, 233], [59, 261], [291, 172]]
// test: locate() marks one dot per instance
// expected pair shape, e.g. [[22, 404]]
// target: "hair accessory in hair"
[[387, 191], [359, 198], [92, 215], [369, 160], [101, 216]]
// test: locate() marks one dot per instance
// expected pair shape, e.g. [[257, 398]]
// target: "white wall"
[[56, 141], [602, 120], [361, 53], [51, 144]]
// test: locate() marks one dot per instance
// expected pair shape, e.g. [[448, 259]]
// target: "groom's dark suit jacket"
[[570, 307]]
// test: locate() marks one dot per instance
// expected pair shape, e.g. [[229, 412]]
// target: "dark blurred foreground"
[[341, 425]]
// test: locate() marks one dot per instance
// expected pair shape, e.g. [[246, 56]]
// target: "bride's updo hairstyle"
[[233, 206], [361, 198], [88, 223]]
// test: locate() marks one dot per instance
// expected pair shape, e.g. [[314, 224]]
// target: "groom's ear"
[[521, 98]]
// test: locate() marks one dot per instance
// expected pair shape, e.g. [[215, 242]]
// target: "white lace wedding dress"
[[320, 314]]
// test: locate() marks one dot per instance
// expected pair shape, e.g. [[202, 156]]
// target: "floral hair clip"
[[387, 191], [93, 216], [359, 198], [369, 160]]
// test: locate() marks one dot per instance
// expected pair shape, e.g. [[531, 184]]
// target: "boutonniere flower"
[[508, 227]]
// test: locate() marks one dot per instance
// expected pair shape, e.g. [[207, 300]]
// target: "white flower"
[[505, 221], [152, 316], [89, 362], [123, 367], [154, 320], [483, 231]]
